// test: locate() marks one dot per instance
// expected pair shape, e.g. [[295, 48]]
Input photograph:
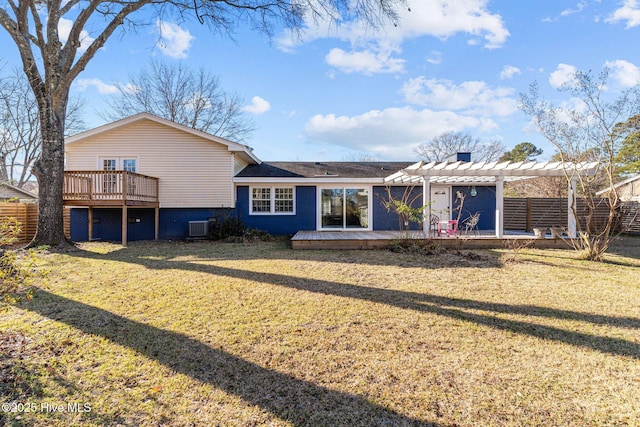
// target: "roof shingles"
[[322, 169]]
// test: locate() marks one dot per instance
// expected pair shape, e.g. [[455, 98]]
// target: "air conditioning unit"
[[198, 228]]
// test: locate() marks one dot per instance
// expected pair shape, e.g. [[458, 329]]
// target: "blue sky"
[[341, 93]]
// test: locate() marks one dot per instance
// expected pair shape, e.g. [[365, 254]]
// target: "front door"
[[441, 202]]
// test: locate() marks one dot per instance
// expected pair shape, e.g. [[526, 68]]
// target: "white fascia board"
[[308, 181], [247, 155]]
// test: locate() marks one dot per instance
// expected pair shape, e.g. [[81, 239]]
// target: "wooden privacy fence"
[[27, 216], [529, 213]]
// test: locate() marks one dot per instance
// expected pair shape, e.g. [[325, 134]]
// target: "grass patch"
[[233, 334]]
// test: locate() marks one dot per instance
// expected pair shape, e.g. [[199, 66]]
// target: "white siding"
[[630, 191], [238, 165], [193, 172]]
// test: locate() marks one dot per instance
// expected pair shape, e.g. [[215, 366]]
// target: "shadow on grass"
[[627, 247], [419, 256], [451, 307], [288, 398], [21, 381]]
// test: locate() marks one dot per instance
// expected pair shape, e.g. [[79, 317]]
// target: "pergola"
[[483, 173]]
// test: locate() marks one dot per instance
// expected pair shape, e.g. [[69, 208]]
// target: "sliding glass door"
[[344, 208]]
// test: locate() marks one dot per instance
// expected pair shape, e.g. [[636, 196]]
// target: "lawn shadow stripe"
[[423, 302], [298, 401]]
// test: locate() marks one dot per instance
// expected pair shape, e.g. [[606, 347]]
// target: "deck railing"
[[105, 186]]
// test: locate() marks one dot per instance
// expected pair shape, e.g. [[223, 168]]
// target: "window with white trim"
[[129, 165], [109, 181], [272, 200]]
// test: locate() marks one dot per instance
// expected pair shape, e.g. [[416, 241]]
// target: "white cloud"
[[258, 106], [366, 62], [64, 29], [174, 41], [198, 101], [624, 72], [435, 58], [435, 18], [471, 97], [629, 12], [102, 87], [564, 74], [443, 19], [582, 5], [509, 71], [389, 133], [579, 8]]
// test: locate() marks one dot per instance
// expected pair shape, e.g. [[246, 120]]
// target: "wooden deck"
[[109, 188], [119, 189], [381, 239]]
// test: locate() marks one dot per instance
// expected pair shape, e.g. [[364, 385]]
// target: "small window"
[[261, 200], [272, 200], [109, 164], [129, 165], [283, 200]]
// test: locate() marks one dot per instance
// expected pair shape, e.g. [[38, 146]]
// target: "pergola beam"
[[483, 173], [508, 170]]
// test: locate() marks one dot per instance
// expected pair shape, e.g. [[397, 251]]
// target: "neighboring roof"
[[467, 172], [322, 170], [9, 191], [620, 184], [243, 150]]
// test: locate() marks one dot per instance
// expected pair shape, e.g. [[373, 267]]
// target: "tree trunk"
[[49, 170]]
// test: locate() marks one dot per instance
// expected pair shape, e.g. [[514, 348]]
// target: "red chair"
[[449, 227]]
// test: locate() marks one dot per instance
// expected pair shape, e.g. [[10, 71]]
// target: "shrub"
[[231, 229], [225, 226], [415, 246]]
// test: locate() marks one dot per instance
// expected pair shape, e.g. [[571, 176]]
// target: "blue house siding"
[[174, 222], [107, 224], [388, 220], [78, 219], [282, 225], [484, 202]]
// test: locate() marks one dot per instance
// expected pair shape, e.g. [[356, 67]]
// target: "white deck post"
[[572, 208], [426, 196], [499, 207]]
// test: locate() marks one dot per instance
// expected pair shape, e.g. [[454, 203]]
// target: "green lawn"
[[199, 334]]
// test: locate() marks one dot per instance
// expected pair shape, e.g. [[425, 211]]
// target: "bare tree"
[[359, 157], [20, 128], [544, 186], [583, 134], [447, 144], [190, 98], [52, 60]]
